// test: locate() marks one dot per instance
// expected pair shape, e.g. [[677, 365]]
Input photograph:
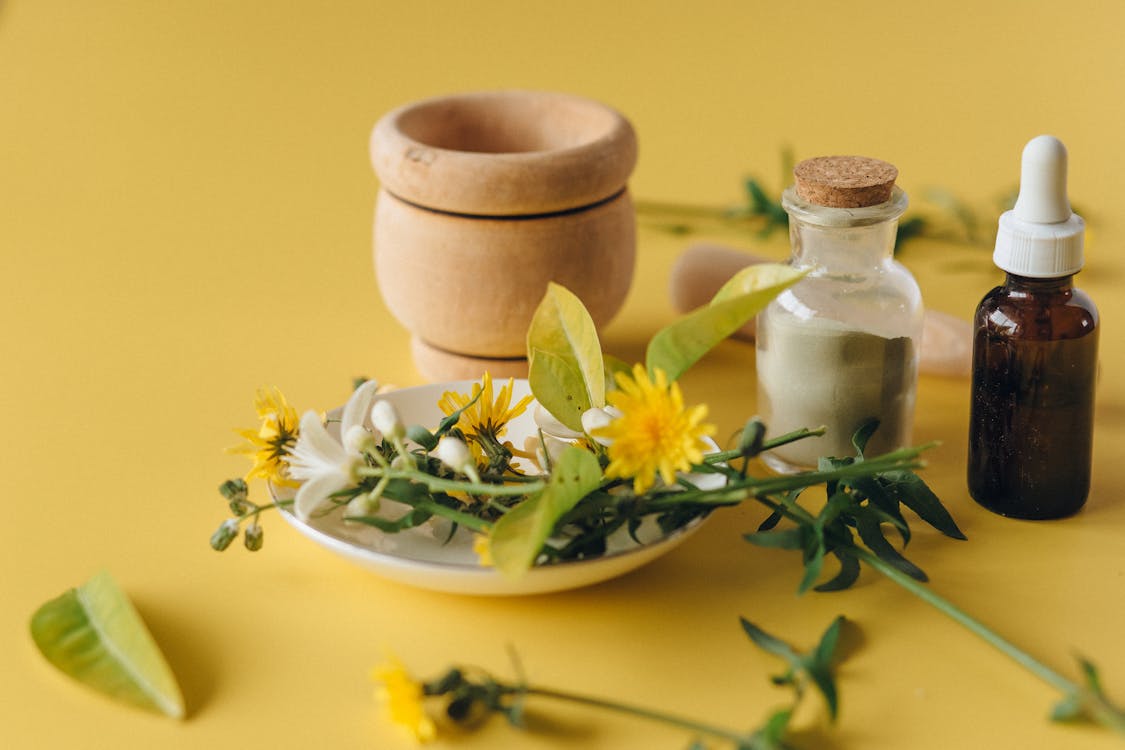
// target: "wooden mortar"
[[485, 198]]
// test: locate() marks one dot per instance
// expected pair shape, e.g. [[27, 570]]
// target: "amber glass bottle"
[[1035, 355], [1032, 413]]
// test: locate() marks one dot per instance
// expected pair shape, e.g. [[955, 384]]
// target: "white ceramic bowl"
[[421, 557]]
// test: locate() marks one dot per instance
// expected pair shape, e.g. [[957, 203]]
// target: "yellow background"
[[185, 214]]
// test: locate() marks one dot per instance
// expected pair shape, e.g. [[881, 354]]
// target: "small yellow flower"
[[482, 550], [654, 432], [404, 697], [488, 417], [269, 444]]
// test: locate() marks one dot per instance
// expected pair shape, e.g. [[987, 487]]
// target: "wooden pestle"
[[702, 268]]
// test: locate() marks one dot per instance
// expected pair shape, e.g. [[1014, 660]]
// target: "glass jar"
[[841, 346]]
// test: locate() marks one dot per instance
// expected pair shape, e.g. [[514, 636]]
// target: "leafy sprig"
[[469, 694], [852, 526], [760, 214]]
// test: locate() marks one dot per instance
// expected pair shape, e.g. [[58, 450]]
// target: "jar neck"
[[843, 249], [1039, 286], [843, 240]]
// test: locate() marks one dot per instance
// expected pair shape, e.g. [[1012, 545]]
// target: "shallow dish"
[[423, 558]]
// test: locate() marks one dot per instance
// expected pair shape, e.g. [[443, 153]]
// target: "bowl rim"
[[504, 183]]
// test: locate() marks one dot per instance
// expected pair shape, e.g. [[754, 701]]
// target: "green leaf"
[[871, 532], [519, 534], [772, 735], [614, 365], [873, 490], [769, 643], [94, 635], [849, 573], [826, 649], [562, 341], [422, 436], [452, 419], [783, 539], [1090, 675], [558, 387], [863, 434], [909, 488], [678, 346], [813, 566]]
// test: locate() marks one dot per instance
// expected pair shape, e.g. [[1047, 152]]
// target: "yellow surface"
[[185, 209]]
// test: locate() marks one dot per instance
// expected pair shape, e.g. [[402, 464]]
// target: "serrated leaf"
[[678, 346], [776, 727], [519, 534], [821, 676], [870, 531], [94, 635], [826, 649], [912, 492], [813, 566], [849, 573], [1091, 676], [769, 643], [863, 434], [783, 539], [565, 365], [874, 491], [771, 521]]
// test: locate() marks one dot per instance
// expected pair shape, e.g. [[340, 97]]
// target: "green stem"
[[454, 485], [1099, 708], [644, 713], [467, 520], [738, 491], [777, 442]]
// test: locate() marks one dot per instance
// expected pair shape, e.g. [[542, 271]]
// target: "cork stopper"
[[845, 181]]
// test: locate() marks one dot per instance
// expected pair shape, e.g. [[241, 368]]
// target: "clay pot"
[[485, 198]]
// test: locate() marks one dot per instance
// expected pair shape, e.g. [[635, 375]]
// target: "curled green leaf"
[[565, 365], [678, 346], [94, 635], [519, 534]]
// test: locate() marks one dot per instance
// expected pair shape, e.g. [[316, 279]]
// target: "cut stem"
[[1097, 706], [682, 722]]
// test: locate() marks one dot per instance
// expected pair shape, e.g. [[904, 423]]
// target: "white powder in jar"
[[813, 372]]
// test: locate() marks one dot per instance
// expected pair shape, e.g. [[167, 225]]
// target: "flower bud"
[[253, 537], [358, 440], [224, 535], [386, 420], [455, 454], [234, 490], [362, 505]]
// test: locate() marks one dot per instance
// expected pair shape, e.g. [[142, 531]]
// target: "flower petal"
[[315, 490], [358, 408], [316, 451]]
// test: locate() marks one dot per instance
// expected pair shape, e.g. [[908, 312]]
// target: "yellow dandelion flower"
[[487, 418], [268, 445], [655, 433], [483, 551], [404, 697]]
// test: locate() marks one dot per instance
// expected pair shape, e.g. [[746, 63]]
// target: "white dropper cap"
[[1041, 237]]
